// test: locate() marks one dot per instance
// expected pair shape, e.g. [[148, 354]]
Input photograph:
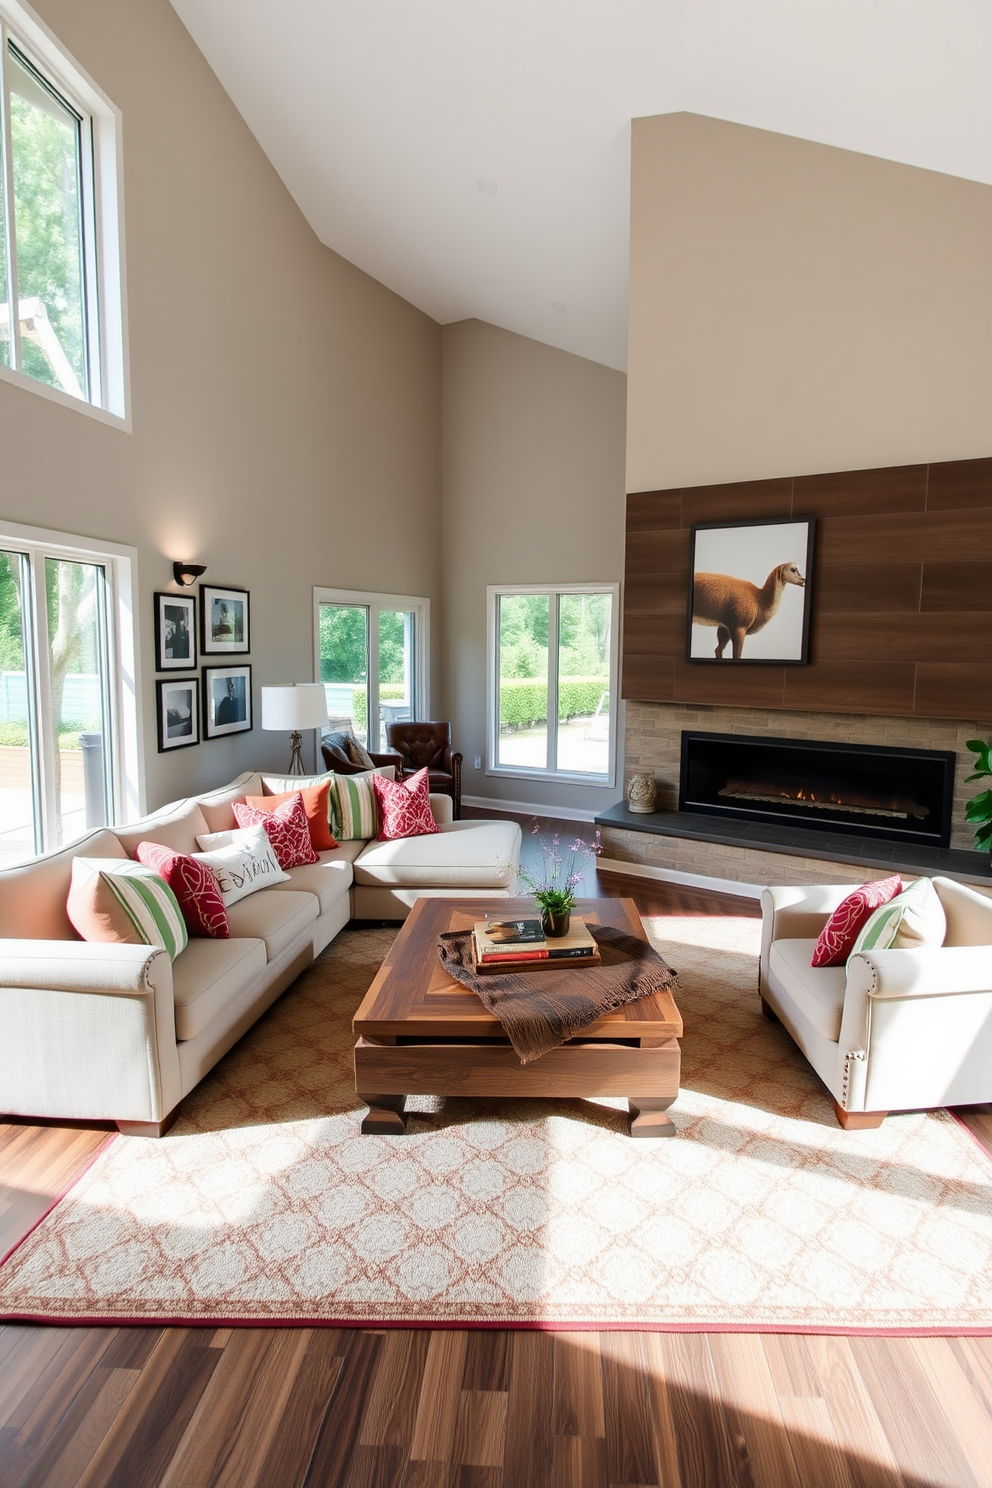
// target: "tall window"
[[553, 665], [60, 314], [67, 716], [372, 657]]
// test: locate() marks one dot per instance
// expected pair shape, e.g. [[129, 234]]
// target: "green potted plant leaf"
[[979, 809]]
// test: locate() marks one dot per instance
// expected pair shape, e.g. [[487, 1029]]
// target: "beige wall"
[[286, 415], [797, 308], [533, 460]]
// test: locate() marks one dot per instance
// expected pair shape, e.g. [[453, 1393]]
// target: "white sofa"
[[120, 1032], [900, 1030]]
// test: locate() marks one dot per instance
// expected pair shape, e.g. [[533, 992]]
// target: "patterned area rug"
[[265, 1204]]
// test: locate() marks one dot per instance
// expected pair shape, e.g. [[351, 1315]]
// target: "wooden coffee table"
[[421, 1032]]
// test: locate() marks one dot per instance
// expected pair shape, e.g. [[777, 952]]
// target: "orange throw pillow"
[[315, 804]]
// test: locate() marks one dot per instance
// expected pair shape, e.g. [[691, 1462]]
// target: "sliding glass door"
[[372, 660]]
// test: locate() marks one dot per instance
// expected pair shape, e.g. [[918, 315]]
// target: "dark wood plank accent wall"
[[901, 593]]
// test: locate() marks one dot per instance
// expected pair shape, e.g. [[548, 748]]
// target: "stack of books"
[[520, 945]]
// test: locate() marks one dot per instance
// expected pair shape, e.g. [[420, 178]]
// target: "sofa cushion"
[[277, 919], [817, 991], [217, 806], [118, 900], [206, 977], [479, 854], [33, 896], [329, 880], [178, 827]]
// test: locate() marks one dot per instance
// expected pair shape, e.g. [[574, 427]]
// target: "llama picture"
[[749, 591]]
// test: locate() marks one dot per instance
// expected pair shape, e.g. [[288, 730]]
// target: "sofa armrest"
[[929, 971], [797, 912], [442, 809], [89, 1031]]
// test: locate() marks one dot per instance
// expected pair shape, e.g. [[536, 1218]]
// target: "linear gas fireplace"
[[902, 795]]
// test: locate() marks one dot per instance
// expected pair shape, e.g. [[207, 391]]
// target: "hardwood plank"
[[232, 1428], [839, 687], [961, 1403], [41, 1412], [932, 536], [440, 1394], [894, 587], [954, 690], [628, 1410], [656, 594], [648, 679], [939, 636], [649, 510], [727, 683], [948, 586], [577, 1401], [487, 1360], [529, 1454], [957, 483], [375, 1467], [657, 634], [704, 1451], [921, 1437], [480, 1431], [854, 1427], [893, 488], [756, 1426], [296, 1431], [662, 552], [391, 1409], [738, 501], [91, 1415], [31, 1354], [337, 1437]]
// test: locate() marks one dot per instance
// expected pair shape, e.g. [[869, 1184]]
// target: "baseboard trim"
[[672, 875], [531, 808]]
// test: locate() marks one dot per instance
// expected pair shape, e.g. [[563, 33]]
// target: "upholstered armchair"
[[896, 1030], [339, 757], [429, 744]]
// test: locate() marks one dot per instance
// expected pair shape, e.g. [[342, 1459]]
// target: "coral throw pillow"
[[287, 828], [404, 807], [316, 805], [114, 899], [194, 886], [838, 935]]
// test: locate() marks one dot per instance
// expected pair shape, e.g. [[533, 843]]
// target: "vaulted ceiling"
[[473, 154]]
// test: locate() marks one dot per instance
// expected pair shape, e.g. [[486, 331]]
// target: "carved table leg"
[[385, 1115], [648, 1118]]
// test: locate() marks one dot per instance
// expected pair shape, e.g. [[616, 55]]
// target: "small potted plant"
[[979, 809], [553, 884]]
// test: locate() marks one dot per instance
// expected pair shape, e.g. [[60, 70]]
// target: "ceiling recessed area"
[[474, 157]]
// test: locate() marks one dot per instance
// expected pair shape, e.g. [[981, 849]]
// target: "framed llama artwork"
[[749, 592]]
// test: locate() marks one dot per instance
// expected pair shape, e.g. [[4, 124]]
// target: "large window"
[[60, 299], [372, 657], [68, 731], [553, 663]]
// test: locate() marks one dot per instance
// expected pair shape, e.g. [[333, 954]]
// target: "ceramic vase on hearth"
[[642, 793]]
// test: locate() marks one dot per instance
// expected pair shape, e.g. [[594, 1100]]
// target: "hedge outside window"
[[553, 661]]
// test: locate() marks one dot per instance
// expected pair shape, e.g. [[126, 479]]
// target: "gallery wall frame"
[[178, 707], [750, 590], [224, 621], [227, 705], [175, 632]]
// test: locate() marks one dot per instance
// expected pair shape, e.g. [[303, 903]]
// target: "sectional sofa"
[[122, 1033]]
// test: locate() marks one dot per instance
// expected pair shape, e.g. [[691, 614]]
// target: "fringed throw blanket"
[[542, 1009]]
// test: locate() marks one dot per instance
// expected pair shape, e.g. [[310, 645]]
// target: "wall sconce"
[[186, 574]]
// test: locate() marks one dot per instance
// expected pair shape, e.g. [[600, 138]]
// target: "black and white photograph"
[[749, 591], [224, 621], [175, 632], [226, 700], [178, 713]]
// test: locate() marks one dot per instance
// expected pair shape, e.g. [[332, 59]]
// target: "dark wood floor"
[[279, 1407]]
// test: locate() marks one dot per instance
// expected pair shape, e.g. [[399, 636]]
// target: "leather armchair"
[[334, 748], [428, 745]]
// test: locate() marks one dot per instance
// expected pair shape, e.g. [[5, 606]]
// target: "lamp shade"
[[294, 705]]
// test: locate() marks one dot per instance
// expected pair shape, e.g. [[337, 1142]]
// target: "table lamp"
[[294, 706]]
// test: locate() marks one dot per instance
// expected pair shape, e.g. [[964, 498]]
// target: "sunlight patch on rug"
[[266, 1204]]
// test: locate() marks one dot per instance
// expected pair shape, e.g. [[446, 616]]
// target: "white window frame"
[[102, 211], [495, 592], [421, 609], [127, 783]]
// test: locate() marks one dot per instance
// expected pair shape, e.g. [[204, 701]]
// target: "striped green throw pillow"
[[353, 807], [913, 918], [114, 899]]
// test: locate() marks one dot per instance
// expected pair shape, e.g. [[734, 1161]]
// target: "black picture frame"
[[224, 621], [234, 703], [178, 708], [739, 562], [175, 632]]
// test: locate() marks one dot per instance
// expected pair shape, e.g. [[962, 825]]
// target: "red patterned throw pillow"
[[838, 935], [287, 828], [193, 885], [404, 807]]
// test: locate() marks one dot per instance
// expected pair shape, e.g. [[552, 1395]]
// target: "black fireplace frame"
[[939, 765]]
